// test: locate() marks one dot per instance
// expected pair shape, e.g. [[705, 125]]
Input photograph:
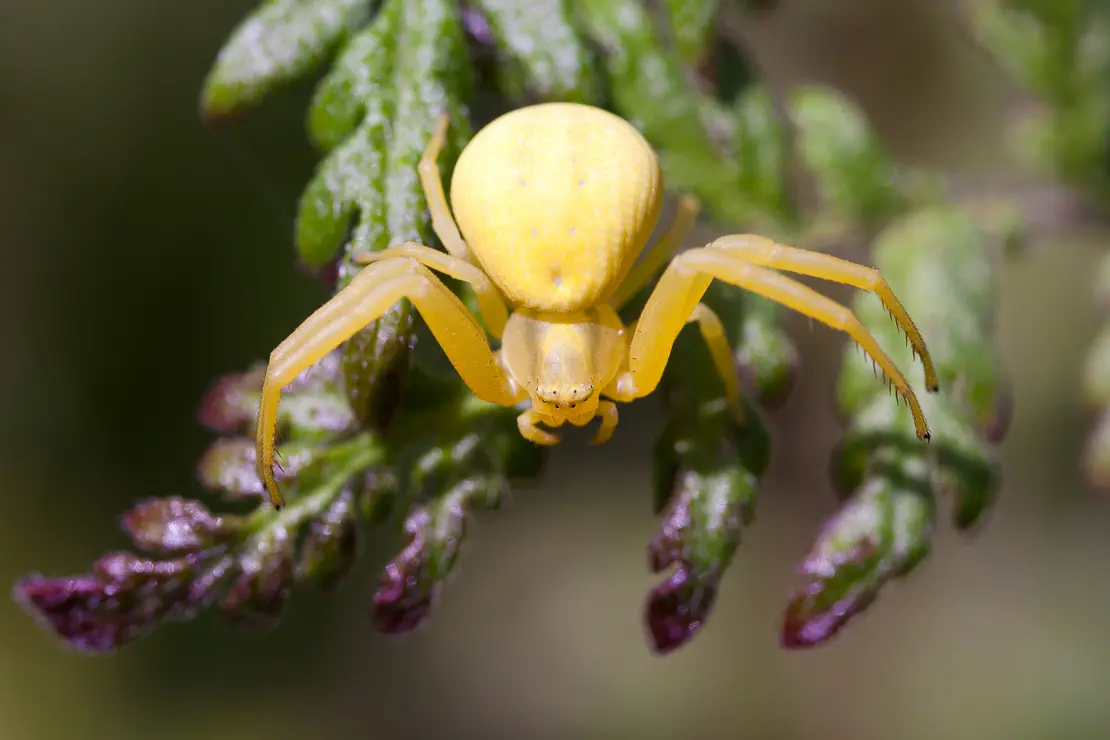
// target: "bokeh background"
[[143, 255]]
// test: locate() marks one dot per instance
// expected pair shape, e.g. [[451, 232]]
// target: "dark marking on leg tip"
[[934, 388], [927, 437]]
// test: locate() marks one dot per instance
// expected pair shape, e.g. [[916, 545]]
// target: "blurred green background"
[[144, 255]]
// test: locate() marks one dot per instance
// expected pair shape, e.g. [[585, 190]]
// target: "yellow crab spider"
[[553, 205]]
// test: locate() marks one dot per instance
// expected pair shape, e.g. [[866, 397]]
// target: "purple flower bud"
[[170, 525], [377, 494], [231, 403], [699, 537], [123, 598], [332, 541], [477, 27], [412, 581], [76, 610], [228, 466], [403, 599], [881, 533], [316, 401], [678, 607], [258, 595], [313, 402]]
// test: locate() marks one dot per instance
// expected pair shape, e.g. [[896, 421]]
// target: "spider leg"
[[759, 250], [527, 424], [683, 284], [652, 262], [713, 332], [607, 410], [443, 223], [490, 303], [624, 388], [366, 298]]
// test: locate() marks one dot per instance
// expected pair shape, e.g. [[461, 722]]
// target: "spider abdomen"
[[556, 201]]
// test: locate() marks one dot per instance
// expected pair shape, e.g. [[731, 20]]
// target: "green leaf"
[[766, 355], [542, 56], [855, 176], [349, 115], [692, 26], [762, 144], [430, 77], [358, 79], [278, 43]]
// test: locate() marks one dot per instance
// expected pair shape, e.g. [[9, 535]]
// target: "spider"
[[553, 204]]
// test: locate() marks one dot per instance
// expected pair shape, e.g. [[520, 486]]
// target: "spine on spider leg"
[[940, 263]]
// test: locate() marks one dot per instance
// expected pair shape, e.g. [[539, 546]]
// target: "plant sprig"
[[378, 433]]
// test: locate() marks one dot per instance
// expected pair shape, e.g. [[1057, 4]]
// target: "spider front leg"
[[762, 251], [628, 386], [528, 424], [607, 411], [684, 283], [366, 298], [490, 303]]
